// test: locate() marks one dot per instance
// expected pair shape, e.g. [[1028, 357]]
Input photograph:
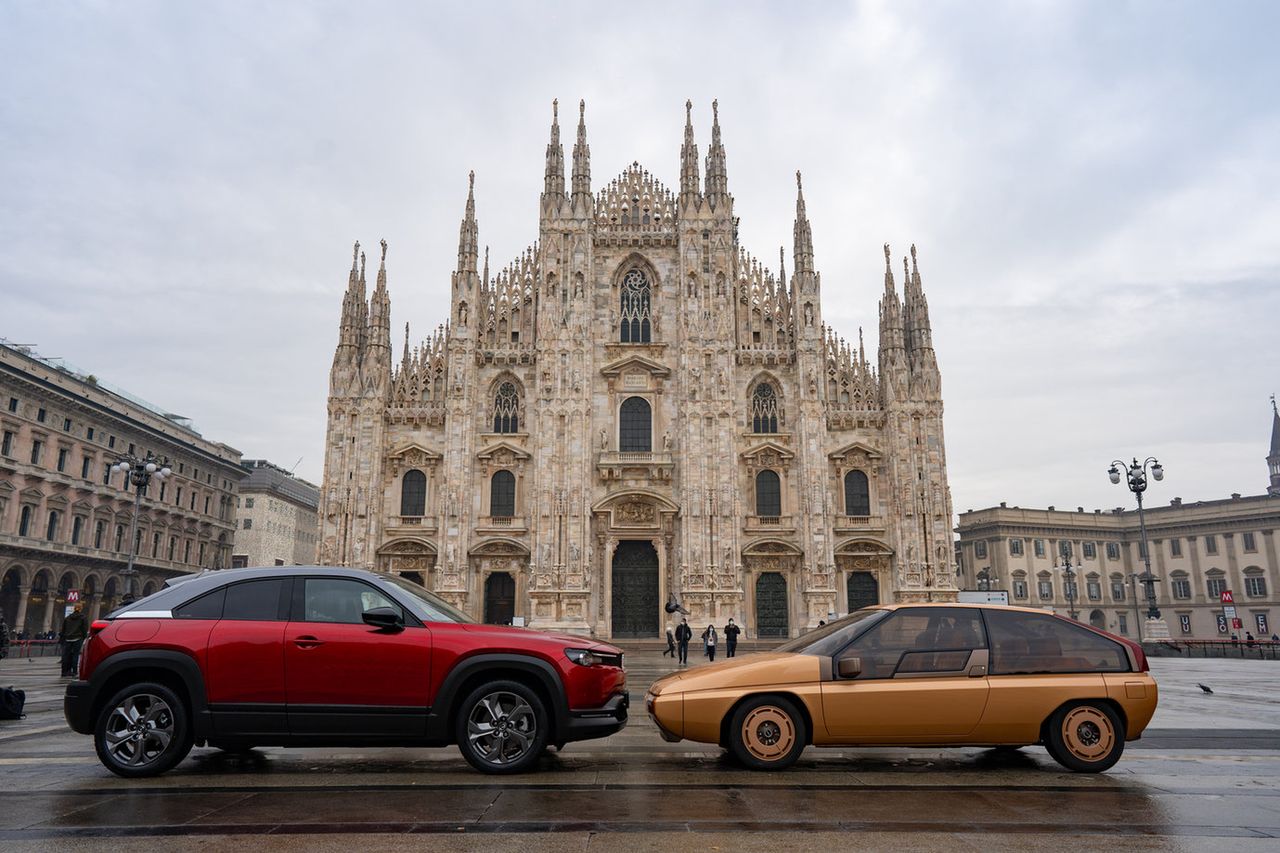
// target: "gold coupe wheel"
[[1088, 733], [768, 733]]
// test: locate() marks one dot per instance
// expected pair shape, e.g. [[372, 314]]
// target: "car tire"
[[502, 727], [142, 730], [1087, 737], [767, 733]]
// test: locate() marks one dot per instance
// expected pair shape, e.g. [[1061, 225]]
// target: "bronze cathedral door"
[[635, 589]]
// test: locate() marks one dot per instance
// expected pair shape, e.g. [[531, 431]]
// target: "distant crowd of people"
[[679, 637]]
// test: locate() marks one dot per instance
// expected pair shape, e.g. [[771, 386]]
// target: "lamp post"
[[1135, 476], [139, 471], [985, 578], [1069, 577]]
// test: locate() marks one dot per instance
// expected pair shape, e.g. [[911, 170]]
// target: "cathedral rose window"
[[764, 409], [506, 409], [635, 323]]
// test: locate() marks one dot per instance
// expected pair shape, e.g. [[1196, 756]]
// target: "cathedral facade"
[[635, 408]]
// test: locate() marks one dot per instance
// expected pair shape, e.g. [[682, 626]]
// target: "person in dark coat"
[[731, 632], [671, 642], [683, 635], [709, 642], [4, 638], [74, 629]]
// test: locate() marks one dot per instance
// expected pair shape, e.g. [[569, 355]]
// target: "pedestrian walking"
[[683, 635], [709, 642], [731, 632], [4, 638], [74, 629], [1248, 639], [671, 642]]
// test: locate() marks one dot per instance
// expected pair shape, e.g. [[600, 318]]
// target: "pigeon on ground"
[[1203, 687]]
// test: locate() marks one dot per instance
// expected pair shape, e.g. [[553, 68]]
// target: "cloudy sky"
[[1094, 189]]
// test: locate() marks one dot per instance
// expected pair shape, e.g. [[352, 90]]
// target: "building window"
[[173, 543], [1211, 544], [1090, 550], [1015, 547], [1020, 589], [1255, 586], [13, 404], [119, 537], [1175, 547], [77, 527], [51, 530], [502, 495], [1181, 588], [155, 545], [764, 409], [37, 447], [980, 550], [1249, 543], [63, 453], [768, 494], [163, 486], [111, 442], [1038, 546], [84, 467], [6, 446], [1113, 551], [248, 524], [186, 551], [506, 409], [1215, 587], [248, 503], [1094, 590], [24, 521], [413, 493], [1184, 622], [99, 530], [857, 495], [1045, 589], [88, 433], [1117, 589], [207, 498], [635, 428], [41, 415], [66, 424], [1122, 621], [202, 553], [635, 308]]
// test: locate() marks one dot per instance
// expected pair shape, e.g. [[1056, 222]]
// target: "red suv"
[[331, 657]]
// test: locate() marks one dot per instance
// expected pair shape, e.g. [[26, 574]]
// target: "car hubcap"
[[501, 728], [139, 730], [768, 733], [1088, 734]]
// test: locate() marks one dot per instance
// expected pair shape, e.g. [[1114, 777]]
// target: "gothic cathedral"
[[636, 408]]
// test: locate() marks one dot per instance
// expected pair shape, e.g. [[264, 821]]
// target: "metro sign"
[[73, 595], [1227, 598]]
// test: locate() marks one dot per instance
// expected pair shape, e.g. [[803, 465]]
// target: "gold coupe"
[[920, 675]]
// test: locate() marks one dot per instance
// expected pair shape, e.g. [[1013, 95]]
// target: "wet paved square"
[[1206, 776]]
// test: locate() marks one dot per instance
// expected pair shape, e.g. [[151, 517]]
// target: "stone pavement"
[[1207, 776]]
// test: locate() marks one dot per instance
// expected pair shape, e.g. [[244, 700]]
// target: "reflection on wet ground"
[[1179, 788]]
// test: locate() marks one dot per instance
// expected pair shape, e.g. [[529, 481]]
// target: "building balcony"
[[859, 523], [412, 524], [618, 465], [501, 525], [769, 524]]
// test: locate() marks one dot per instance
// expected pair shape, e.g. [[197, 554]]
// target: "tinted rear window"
[[208, 606], [1031, 642], [257, 601]]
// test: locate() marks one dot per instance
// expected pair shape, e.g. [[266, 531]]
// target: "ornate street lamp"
[[139, 470], [985, 579], [1136, 478], [1069, 577]]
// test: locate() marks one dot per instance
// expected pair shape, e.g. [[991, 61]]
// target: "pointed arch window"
[[502, 495], [857, 495], [768, 494], [635, 426], [635, 322], [413, 493], [764, 409], [506, 409]]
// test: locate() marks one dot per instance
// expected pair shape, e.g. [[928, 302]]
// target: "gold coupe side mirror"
[[849, 667]]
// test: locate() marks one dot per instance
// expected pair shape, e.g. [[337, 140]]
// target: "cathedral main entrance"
[[771, 605], [863, 590], [635, 589], [499, 598]]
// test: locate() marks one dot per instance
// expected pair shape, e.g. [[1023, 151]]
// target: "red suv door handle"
[[306, 641]]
